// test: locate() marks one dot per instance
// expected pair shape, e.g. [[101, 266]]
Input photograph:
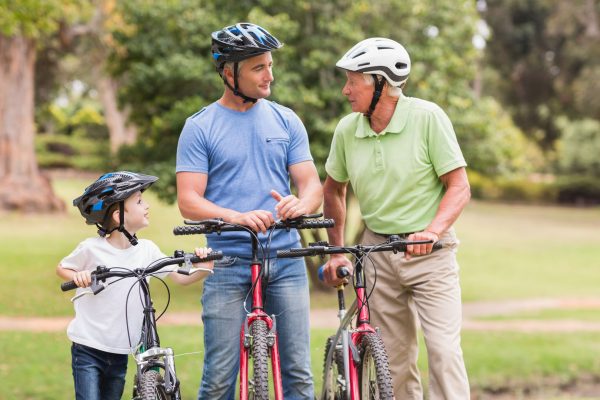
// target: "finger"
[[275, 194], [260, 223]]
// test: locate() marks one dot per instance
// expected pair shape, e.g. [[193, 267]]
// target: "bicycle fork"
[[246, 338]]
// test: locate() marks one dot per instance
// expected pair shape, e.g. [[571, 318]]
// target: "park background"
[[90, 86]]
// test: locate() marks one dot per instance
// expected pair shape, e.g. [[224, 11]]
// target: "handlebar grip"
[[66, 286], [437, 246], [341, 272], [316, 223], [189, 230], [291, 253], [213, 255]]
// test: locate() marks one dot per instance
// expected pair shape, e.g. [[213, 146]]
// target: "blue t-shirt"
[[245, 155]]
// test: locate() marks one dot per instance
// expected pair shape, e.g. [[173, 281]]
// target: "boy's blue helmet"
[[109, 189]]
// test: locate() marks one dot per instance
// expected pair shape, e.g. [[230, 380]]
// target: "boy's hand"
[[202, 252], [83, 279]]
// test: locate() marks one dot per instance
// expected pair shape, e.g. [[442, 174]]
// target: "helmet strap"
[[379, 83], [235, 89], [132, 238]]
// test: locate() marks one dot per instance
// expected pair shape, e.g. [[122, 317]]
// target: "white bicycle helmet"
[[378, 56]]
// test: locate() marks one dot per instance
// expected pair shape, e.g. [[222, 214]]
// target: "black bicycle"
[[155, 378]]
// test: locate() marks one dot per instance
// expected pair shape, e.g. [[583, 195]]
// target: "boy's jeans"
[[98, 375], [223, 314]]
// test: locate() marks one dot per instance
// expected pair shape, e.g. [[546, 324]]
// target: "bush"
[[525, 190], [579, 190], [62, 151]]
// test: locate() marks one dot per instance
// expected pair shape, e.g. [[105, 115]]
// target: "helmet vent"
[[364, 64], [359, 54], [400, 65], [384, 48]]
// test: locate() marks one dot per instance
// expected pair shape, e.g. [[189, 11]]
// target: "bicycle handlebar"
[[324, 248], [217, 225], [102, 273]]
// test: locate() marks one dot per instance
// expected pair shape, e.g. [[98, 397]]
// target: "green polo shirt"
[[395, 174]]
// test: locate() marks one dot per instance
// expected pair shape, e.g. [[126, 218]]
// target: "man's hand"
[[420, 249], [288, 207], [257, 220], [330, 269]]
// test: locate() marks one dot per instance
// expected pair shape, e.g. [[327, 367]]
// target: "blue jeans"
[[98, 375], [223, 314]]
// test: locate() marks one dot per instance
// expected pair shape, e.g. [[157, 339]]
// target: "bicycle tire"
[[260, 361], [151, 386], [374, 375], [334, 375]]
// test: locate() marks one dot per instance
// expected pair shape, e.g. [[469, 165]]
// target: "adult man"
[[402, 159], [235, 159]]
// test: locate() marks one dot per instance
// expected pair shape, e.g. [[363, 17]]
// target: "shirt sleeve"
[[299, 149], [335, 166], [192, 153], [78, 260], [444, 151]]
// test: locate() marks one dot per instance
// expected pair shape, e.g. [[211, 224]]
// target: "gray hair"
[[393, 91], [229, 64]]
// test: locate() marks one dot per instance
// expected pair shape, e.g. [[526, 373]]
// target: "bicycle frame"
[[149, 354], [257, 307], [363, 335], [257, 312]]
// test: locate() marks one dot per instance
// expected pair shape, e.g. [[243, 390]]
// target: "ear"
[[115, 216], [228, 75]]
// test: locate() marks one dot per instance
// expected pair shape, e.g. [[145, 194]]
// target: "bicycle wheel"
[[260, 361], [151, 386], [333, 377], [374, 375]]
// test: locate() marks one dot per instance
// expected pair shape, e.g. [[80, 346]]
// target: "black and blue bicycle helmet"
[[109, 189], [238, 42]]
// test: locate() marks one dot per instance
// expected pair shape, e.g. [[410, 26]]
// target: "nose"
[[346, 90], [269, 76]]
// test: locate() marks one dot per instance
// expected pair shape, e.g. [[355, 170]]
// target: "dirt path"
[[327, 318]]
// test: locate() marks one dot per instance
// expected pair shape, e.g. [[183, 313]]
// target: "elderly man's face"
[[358, 91]]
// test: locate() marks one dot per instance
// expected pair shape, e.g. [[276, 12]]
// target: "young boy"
[[99, 333]]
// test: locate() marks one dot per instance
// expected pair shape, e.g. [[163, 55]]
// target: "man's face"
[[255, 76], [358, 91]]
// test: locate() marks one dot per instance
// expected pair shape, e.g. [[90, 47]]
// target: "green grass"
[[37, 365], [586, 314], [507, 252]]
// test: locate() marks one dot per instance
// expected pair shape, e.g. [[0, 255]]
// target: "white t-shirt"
[[100, 319]]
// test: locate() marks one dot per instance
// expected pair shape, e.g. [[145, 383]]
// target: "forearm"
[[453, 202], [64, 273], [334, 207], [311, 196], [195, 207]]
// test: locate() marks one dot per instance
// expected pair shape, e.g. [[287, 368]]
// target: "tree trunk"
[[120, 132], [22, 186]]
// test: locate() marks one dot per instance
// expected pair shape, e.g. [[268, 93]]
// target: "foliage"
[[36, 19], [63, 151], [579, 147], [168, 74], [546, 62]]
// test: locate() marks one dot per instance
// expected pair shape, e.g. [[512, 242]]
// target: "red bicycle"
[[355, 367], [258, 335]]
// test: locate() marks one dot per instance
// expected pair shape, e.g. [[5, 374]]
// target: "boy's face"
[[136, 213]]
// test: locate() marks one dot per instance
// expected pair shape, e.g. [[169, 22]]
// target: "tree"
[[22, 24]]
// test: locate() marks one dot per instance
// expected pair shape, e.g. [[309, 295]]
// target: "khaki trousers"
[[424, 289]]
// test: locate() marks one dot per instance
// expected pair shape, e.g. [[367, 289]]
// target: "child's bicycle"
[[258, 336], [356, 363], [155, 378]]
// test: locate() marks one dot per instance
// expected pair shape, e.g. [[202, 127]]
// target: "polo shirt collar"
[[396, 124]]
